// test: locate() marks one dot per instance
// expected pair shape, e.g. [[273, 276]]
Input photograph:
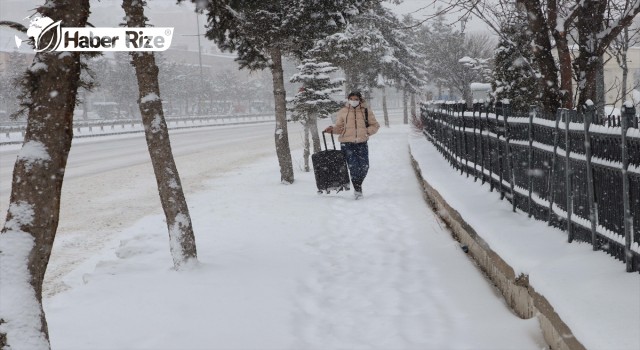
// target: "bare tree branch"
[[626, 19], [14, 25]]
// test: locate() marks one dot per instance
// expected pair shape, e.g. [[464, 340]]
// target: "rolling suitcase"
[[330, 169]]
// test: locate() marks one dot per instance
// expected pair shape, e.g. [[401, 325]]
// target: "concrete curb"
[[516, 290]]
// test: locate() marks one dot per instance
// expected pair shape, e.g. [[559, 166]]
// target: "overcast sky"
[[165, 13], [420, 9]]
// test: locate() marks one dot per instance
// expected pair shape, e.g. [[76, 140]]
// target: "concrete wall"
[[519, 294]]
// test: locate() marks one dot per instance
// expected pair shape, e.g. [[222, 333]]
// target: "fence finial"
[[629, 113]]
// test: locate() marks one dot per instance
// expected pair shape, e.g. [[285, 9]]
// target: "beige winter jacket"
[[350, 124]]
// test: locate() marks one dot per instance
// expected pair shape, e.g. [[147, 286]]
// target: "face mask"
[[354, 104]]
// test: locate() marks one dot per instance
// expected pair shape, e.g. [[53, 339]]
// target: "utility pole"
[[199, 60], [199, 47]]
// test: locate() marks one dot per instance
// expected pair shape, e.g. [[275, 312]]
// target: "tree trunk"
[[405, 101], [384, 106], [623, 63], [625, 78], [307, 147], [467, 95], [349, 81], [566, 78], [413, 105], [32, 218], [132, 111], [169, 106], [85, 106], [548, 81], [176, 211], [315, 136], [281, 134], [586, 68], [559, 32], [589, 25], [600, 88]]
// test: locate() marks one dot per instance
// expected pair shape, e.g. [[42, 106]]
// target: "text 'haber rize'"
[[132, 39]]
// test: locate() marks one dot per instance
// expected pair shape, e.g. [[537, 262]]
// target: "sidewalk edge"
[[516, 290]]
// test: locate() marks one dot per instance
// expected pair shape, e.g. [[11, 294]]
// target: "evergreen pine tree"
[[373, 43], [314, 98], [513, 78], [261, 32]]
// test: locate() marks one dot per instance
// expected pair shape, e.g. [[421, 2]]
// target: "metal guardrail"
[[113, 125], [560, 168]]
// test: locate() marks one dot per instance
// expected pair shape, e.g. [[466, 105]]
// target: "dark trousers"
[[357, 156]]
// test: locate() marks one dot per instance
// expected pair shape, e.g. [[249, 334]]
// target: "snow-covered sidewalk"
[[282, 267], [590, 291]]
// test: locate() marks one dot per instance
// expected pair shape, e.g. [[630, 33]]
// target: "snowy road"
[[280, 266], [109, 183]]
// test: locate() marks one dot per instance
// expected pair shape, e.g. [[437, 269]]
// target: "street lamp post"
[[199, 60]]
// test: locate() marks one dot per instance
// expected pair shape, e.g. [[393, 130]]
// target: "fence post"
[[439, 119], [490, 153], [486, 106], [444, 132], [463, 139], [457, 137], [500, 131], [454, 137], [567, 175], [554, 156], [436, 125], [459, 121], [476, 107], [450, 134], [589, 112], [445, 138], [628, 112], [506, 109], [532, 114]]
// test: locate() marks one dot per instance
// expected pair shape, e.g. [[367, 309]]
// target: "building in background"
[[613, 79]]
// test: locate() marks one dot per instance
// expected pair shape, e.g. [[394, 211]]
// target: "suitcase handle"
[[325, 141]]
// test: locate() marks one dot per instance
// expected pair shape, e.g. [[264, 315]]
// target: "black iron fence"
[[570, 169]]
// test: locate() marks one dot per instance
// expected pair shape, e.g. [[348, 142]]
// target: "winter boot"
[[357, 188]]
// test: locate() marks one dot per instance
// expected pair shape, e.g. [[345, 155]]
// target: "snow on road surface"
[[109, 183], [281, 267]]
